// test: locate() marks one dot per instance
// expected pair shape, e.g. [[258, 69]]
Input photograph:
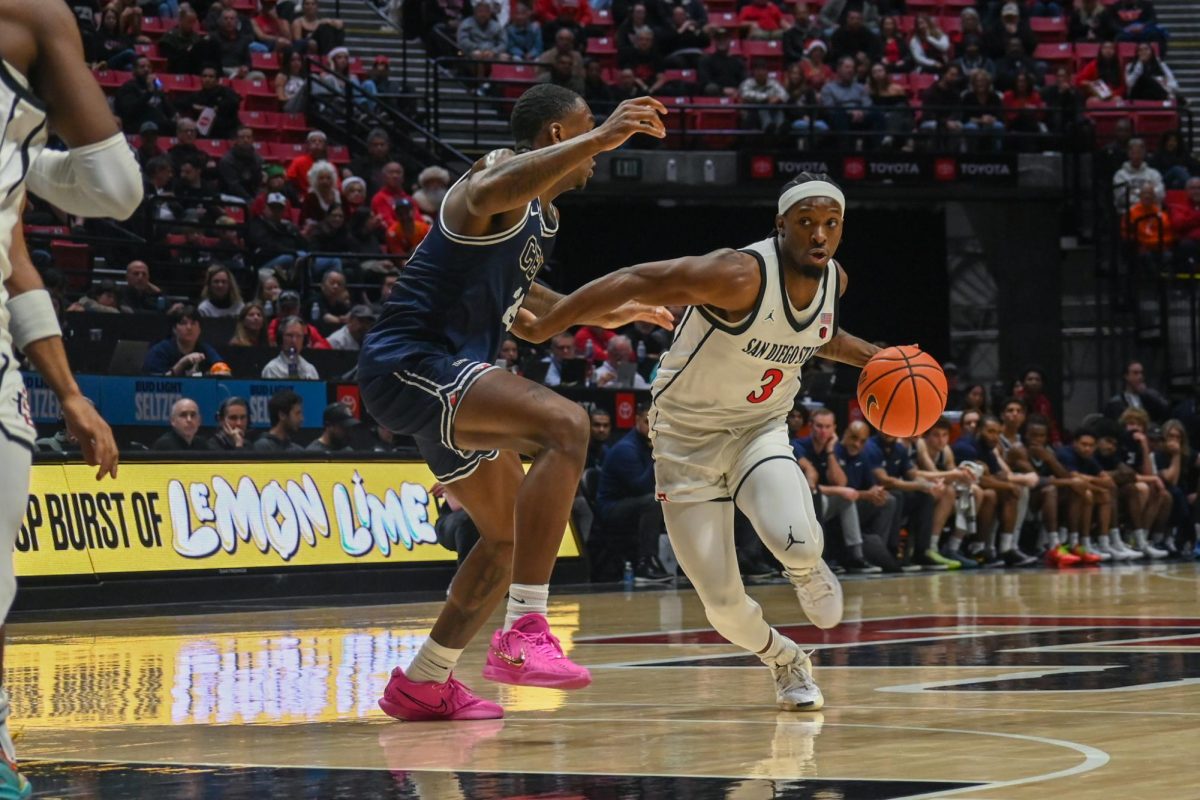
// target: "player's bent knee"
[[566, 429]]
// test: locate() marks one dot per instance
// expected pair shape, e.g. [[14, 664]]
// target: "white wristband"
[[32, 317]]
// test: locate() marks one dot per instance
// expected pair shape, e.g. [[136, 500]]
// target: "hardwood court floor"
[[1035, 684]]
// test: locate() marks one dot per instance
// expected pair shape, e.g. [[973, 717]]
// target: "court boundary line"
[[856, 707]]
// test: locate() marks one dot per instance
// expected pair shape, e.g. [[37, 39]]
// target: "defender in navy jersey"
[[426, 370], [721, 399], [45, 84]]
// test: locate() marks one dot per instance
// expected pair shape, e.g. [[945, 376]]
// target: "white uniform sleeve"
[[96, 180]]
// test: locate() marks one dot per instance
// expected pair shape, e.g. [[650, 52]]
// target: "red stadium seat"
[[956, 6], [1085, 52], [279, 151], [179, 84], [907, 23], [923, 6], [603, 49], [1105, 119], [723, 19], [685, 75], [339, 154], [75, 262], [918, 82], [602, 22], [110, 78], [514, 79], [1049, 29], [248, 7], [1060, 54], [265, 62], [214, 148], [155, 27], [771, 51], [1151, 120]]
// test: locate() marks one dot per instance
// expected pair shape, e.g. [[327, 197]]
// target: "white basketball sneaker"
[[820, 594], [794, 686]]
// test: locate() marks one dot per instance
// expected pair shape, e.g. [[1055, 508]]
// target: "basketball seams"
[[921, 368], [878, 378]]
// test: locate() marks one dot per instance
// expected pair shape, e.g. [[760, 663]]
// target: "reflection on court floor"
[[1000, 685]]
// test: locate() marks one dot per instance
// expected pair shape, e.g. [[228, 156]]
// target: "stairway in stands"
[[370, 33], [1181, 19]]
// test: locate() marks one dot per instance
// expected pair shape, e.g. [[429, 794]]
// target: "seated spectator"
[[231, 43], [277, 183], [368, 232], [289, 306], [564, 46], [271, 32], [598, 438], [591, 341], [762, 89], [1147, 78], [290, 363], [1136, 394], [915, 498], [834, 13], [935, 463], [354, 194], [273, 239], [684, 41], [286, 412], [1024, 110], [892, 100], [322, 193], [720, 73], [251, 330], [1133, 175], [150, 146], [109, 47], [833, 499], [241, 169], [875, 504], [138, 293], [853, 37], [100, 298], [185, 423], [350, 335], [268, 291], [1033, 391], [972, 57], [970, 25], [1136, 21], [1014, 62], [983, 111], [291, 84], [1102, 78], [929, 47], [433, 183], [523, 35], [761, 19], [158, 199], [215, 107], [332, 303], [370, 165], [407, 230], [182, 352], [480, 36], [1135, 451], [383, 203], [185, 47], [804, 28], [625, 499], [626, 34], [982, 450], [847, 103], [1173, 161], [561, 72], [233, 426], [220, 296], [1086, 22], [315, 34], [1147, 225], [643, 58], [1063, 102], [894, 51], [330, 235], [816, 71], [1185, 220], [1177, 465], [802, 101], [338, 419], [562, 349], [1009, 25], [619, 351], [141, 99], [569, 15], [316, 149]]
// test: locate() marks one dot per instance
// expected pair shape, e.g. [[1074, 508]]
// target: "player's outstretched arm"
[[98, 176], [541, 299], [725, 279], [505, 181], [35, 331]]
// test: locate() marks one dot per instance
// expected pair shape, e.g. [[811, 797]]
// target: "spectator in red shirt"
[[289, 306], [1185, 219], [1102, 79], [297, 171], [1030, 390], [384, 202], [599, 337], [761, 19], [570, 12], [269, 29], [1024, 109]]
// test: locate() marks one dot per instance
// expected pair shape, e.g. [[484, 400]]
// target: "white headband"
[[809, 189]]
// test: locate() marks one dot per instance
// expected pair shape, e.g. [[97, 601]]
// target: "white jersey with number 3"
[[721, 375]]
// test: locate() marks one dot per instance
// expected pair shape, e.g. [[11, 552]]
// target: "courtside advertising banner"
[[164, 518]]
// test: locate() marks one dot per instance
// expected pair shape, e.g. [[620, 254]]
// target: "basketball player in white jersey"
[[45, 84], [721, 399]]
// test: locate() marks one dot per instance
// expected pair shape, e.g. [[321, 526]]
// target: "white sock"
[[1074, 539], [1006, 541], [780, 650], [954, 542], [433, 663], [6, 742], [525, 599]]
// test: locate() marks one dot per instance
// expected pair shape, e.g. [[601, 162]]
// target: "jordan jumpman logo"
[[770, 316], [792, 539]]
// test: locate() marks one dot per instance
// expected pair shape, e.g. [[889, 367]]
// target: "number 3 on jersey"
[[770, 379]]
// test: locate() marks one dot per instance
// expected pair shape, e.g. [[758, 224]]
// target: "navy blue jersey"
[[895, 460], [458, 295], [976, 450]]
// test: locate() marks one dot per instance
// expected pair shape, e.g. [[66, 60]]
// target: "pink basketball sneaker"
[[427, 701], [530, 655]]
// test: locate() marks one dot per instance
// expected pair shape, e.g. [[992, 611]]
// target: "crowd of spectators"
[[891, 75]]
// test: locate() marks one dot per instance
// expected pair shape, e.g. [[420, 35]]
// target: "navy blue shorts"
[[420, 400]]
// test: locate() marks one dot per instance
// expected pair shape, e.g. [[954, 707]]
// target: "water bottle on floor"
[[627, 576]]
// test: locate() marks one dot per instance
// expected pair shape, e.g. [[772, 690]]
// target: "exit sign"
[[627, 169]]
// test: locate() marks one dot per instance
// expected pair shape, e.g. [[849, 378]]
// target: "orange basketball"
[[902, 391]]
